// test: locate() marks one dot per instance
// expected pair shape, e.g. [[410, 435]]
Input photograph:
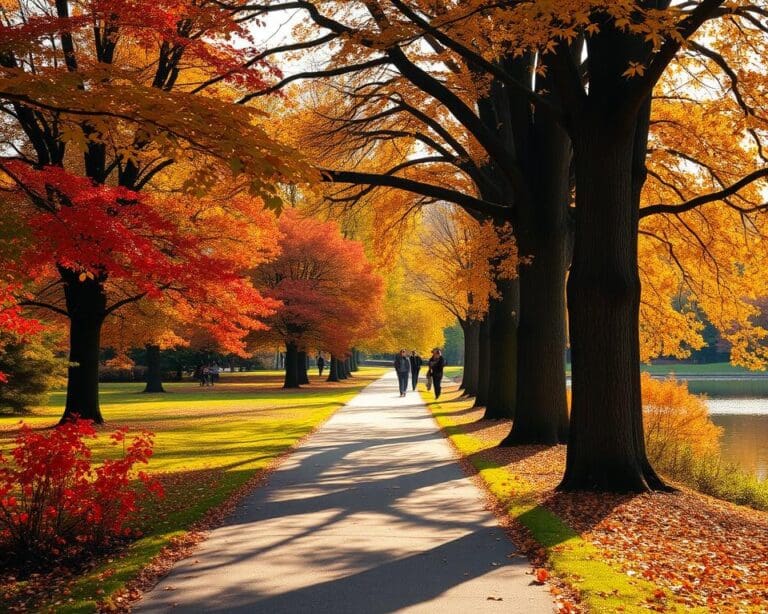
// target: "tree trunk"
[[502, 385], [333, 370], [348, 366], [301, 365], [483, 361], [541, 410], [86, 305], [353, 361], [469, 379], [154, 374], [291, 366], [606, 450]]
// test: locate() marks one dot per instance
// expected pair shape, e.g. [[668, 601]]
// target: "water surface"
[[745, 432]]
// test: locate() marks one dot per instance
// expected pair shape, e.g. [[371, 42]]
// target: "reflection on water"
[[745, 432]]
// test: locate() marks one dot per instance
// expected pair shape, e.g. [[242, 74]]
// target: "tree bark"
[[502, 386], [469, 379], [541, 410], [154, 374], [333, 369], [86, 305], [606, 450], [301, 365], [353, 361], [483, 361], [291, 366]]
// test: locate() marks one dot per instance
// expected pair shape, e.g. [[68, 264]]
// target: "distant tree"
[[454, 345], [31, 367], [330, 295]]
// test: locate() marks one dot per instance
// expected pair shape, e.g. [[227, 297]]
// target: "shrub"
[[684, 444], [676, 423], [55, 505]]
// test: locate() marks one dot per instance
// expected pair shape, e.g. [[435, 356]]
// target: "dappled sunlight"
[[374, 498]]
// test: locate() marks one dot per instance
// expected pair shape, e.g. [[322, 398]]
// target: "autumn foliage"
[[55, 505], [676, 423], [329, 292]]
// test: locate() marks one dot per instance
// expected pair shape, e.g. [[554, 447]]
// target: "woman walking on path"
[[435, 371], [403, 369]]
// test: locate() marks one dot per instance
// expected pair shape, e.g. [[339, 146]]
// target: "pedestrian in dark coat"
[[403, 368], [416, 363], [436, 365], [320, 364]]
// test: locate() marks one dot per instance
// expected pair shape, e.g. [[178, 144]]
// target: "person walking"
[[435, 371], [416, 363], [403, 368], [320, 364]]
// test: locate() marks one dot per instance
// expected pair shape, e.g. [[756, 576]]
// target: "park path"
[[371, 514]]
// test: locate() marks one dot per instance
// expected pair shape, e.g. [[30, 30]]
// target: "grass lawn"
[[209, 442]]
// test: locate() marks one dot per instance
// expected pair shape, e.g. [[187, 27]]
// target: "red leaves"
[[53, 503], [541, 575], [328, 289]]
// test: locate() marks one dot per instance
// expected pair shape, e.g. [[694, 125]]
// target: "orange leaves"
[[541, 575], [329, 294]]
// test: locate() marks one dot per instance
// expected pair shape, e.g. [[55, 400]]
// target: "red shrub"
[[54, 504]]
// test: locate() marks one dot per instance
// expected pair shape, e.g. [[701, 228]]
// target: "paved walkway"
[[371, 515]]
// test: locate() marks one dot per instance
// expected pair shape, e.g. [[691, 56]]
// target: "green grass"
[[209, 442], [744, 388], [453, 372], [714, 368], [602, 587]]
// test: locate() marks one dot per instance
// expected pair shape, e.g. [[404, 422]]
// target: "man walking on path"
[[403, 368], [373, 515], [416, 363]]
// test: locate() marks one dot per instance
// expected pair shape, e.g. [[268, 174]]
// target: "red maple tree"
[[330, 294]]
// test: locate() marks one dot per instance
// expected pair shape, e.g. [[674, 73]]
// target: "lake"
[[745, 432]]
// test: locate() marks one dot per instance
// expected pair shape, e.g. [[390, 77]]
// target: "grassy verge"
[[209, 442], [602, 587]]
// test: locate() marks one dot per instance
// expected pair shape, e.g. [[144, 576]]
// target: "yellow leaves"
[[635, 69], [676, 422]]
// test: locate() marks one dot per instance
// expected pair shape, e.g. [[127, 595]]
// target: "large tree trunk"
[[301, 365], [483, 361], [354, 366], [606, 450], [333, 370], [154, 374], [86, 305], [291, 366], [541, 410], [469, 379], [502, 386]]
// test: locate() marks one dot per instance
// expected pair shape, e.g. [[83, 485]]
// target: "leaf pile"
[[699, 551]]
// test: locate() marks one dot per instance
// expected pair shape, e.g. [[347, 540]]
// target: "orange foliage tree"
[[329, 295]]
